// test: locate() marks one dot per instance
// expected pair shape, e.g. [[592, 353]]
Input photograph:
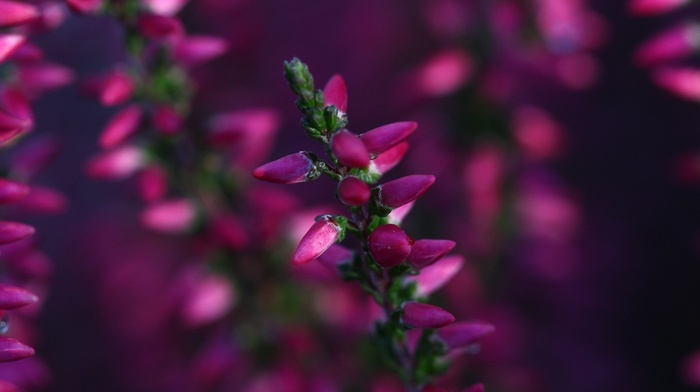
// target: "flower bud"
[[420, 315], [291, 169], [158, 27], [349, 149], [116, 88], [164, 7], [39, 78], [335, 93], [426, 252], [387, 136], [194, 50], [152, 183], [116, 164], [11, 126], [13, 13], [322, 234], [13, 350], [12, 191], [353, 191], [671, 44], [335, 255], [14, 231], [12, 297], [121, 127], [394, 194], [464, 333], [389, 245], [171, 216], [681, 81], [434, 276], [43, 200], [84, 7], [9, 43], [389, 158], [654, 7]]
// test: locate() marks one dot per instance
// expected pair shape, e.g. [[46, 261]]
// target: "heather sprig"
[[388, 260]]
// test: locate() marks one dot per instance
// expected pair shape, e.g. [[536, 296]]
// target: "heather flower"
[[353, 191], [152, 182], [121, 127], [116, 164], [436, 275], [84, 7], [13, 13], [12, 297], [164, 7], [13, 350], [322, 234], [387, 136], [654, 7], [291, 169], [114, 88], [672, 44], [334, 256], [335, 93], [193, 50], [171, 216], [394, 194], [463, 334], [389, 245], [9, 44], [11, 191], [43, 200], [426, 252], [388, 159], [14, 231], [38, 78], [349, 149], [420, 315]]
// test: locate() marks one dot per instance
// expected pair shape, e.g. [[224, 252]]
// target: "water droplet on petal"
[[4, 324]]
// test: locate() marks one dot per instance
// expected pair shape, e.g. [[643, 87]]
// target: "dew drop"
[[4, 324]]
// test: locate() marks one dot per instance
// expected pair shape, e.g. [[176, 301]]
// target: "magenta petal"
[[322, 234], [335, 93], [353, 191], [84, 7], [349, 149], [121, 127], [12, 191], [387, 136], [426, 252], [681, 81], [170, 216], [404, 190], [116, 164], [389, 158], [13, 350], [115, 88], [9, 43], [13, 13], [420, 315], [194, 50], [671, 44], [290, 169], [654, 7], [12, 297], [14, 231], [435, 276], [464, 333], [389, 245]]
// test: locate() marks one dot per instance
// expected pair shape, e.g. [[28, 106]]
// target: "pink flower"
[[335, 256], [353, 191], [654, 7], [671, 44], [389, 158], [38, 78], [84, 7], [387, 136], [121, 127], [13, 13], [164, 7], [434, 276], [14, 231], [116, 164], [420, 315], [43, 200], [322, 234], [12, 297], [349, 149], [404, 190], [12, 191], [291, 169], [335, 93], [171, 216], [426, 252], [463, 334], [389, 245], [152, 183], [197, 49], [13, 350], [9, 43], [115, 88]]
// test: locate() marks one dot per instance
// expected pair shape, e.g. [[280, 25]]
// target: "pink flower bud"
[[38, 78], [335, 93], [434, 276], [349, 149], [420, 315], [12, 191], [17, 105], [164, 7], [152, 183], [11, 126], [389, 158], [207, 299], [171, 216], [475, 388], [444, 73], [14, 231], [9, 43], [116, 164], [291, 169], [387, 136], [389, 245], [197, 49], [404, 190], [43, 200], [166, 120], [121, 127], [84, 7], [683, 82], [671, 44], [115, 88], [12, 297], [353, 191], [322, 234], [13, 350], [464, 333], [13, 13], [654, 7], [159, 27], [426, 252], [335, 255]]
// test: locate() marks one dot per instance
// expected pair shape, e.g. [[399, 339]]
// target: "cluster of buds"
[[665, 52], [390, 263]]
